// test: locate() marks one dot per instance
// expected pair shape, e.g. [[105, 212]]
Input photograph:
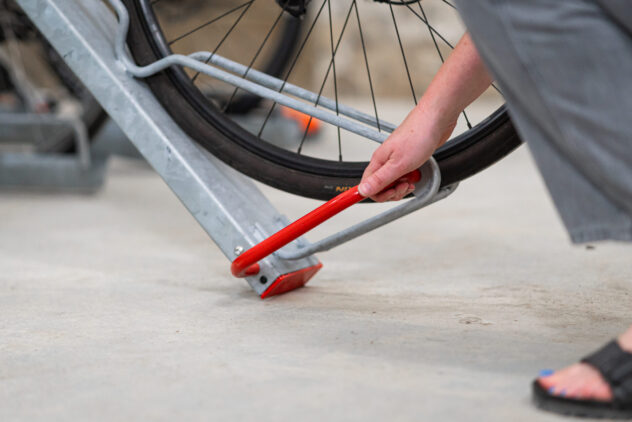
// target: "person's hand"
[[409, 146], [460, 80]]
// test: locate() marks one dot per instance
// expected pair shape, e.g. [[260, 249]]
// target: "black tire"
[[462, 157]]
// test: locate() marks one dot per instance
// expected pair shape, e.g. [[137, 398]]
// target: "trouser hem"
[[598, 233]]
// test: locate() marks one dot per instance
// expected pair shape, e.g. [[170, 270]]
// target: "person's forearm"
[[461, 79]]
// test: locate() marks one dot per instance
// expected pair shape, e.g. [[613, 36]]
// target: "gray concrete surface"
[[118, 307]]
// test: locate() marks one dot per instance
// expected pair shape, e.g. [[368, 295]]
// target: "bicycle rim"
[[466, 154]]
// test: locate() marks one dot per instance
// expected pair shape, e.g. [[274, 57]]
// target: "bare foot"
[[581, 381]]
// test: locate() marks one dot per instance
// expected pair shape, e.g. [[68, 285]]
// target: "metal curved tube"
[[246, 264], [425, 195], [198, 62]]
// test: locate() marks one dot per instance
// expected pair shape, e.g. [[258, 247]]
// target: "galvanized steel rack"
[[229, 207]]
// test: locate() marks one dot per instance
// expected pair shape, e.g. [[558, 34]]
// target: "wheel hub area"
[[295, 8]]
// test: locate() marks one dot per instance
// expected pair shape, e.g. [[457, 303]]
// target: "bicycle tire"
[[464, 156]]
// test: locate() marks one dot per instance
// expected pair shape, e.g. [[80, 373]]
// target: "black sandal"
[[615, 366]]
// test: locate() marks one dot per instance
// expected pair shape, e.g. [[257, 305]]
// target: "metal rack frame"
[[80, 171], [229, 207]]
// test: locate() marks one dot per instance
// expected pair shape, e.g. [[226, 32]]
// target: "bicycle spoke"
[[421, 18], [273, 50], [322, 86], [294, 61], [252, 62], [304, 137], [432, 35], [212, 95], [441, 37], [204, 25], [436, 44], [333, 60], [366, 61], [446, 2], [251, 30], [401, 47], [241, 15]]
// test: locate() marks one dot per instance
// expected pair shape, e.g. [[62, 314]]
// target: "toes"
[[548, 379], [575, 392], [561, 383], [595, 386], [546, 382], [600, 392], [579, 381]]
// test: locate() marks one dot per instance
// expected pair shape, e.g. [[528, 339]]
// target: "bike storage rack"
[[78, 171], [237, 216]]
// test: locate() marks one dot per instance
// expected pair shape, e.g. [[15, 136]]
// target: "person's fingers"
[[401, 190], [380, 179], [377, 161], [384, 196], [379, 157], [398, 193], [395, 193], [408, 191]]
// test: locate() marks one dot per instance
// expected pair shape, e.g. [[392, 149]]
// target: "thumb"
[[379, 180]]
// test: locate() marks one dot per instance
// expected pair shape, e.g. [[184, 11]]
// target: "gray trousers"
[[565, 69]]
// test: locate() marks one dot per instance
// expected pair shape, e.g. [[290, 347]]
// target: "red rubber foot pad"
[[291, 281]]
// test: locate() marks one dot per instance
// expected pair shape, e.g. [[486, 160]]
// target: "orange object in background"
[[303, 120]]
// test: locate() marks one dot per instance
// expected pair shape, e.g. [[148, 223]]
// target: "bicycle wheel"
[[182, 94], [36, 80]]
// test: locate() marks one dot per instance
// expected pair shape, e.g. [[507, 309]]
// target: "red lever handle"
[[246, 264]]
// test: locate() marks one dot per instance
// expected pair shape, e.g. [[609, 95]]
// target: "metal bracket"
[[78, 172], [426, 193], [302, 249], [225, 203], [248, 262], [27, 127], [255, 82]]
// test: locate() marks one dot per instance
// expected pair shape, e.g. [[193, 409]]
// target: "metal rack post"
[[227, 205]]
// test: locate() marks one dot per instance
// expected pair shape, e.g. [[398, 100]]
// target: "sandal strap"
[[623, 392], [615, 365]]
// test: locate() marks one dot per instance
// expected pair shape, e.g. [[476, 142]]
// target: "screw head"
[[238, 250]]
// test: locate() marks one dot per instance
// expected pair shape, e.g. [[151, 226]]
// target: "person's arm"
[[461, 79]]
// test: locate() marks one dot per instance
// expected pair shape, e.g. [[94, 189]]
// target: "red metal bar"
[[246, 264]]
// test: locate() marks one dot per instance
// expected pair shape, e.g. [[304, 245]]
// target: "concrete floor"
[[118, 307]]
